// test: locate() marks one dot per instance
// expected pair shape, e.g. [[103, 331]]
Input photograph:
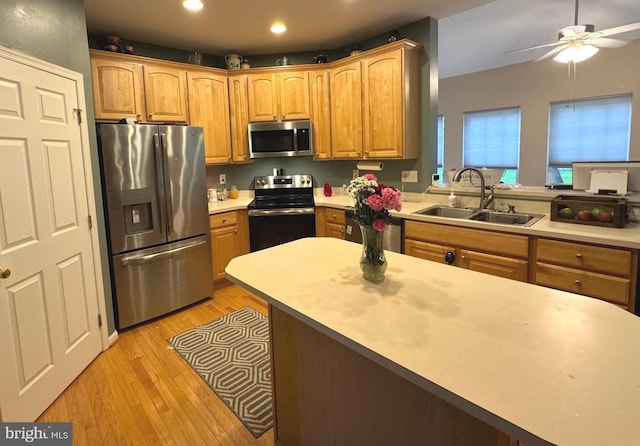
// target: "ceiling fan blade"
[[536, 47], [605, 42], [552, 53], [619, 29]]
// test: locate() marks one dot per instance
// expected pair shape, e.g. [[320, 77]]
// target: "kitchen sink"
[[504, 218], [487, 216], [446, 211]]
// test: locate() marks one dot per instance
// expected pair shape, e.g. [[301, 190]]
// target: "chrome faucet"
[[484, 202]]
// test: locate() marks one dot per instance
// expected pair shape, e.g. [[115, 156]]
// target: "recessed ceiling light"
[[193, 5], [278, 28]]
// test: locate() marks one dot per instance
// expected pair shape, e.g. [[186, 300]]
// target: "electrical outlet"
[[355, 174], [409, 176], [223, 178]]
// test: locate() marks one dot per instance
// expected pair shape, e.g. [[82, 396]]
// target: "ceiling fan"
[[579, 42]]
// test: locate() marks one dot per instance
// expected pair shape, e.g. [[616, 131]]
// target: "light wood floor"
[[139, 392]]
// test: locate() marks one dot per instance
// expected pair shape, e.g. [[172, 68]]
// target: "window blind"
[[491, 138], [595, 129], [440, 156]]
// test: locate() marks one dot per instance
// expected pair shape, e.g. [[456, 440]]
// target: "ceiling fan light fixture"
[[576, 53], [278, 28], [192, 5]]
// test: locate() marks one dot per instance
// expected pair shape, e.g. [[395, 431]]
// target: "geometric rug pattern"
[[231, 354]]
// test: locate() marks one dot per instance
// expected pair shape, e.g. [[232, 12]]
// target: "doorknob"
[[5, 273]]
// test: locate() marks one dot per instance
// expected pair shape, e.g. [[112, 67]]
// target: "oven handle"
[[276, 212]]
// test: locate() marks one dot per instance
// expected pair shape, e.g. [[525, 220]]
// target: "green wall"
[[56, 31]]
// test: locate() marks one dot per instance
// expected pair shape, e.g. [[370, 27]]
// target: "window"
[[492, 139], [596, 129], [440, 156]]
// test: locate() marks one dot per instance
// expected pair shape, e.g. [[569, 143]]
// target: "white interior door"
[[49, 303]]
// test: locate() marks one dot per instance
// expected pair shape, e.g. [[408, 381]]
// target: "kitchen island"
[[438, 355]]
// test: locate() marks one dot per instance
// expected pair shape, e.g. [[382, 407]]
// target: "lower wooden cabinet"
[[229, 239], [330, 222], [498, 254], [597, 271]]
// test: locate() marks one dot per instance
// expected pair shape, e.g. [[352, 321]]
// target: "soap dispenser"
[[453, 200]]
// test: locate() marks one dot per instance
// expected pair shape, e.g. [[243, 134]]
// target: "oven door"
[[273, 227]]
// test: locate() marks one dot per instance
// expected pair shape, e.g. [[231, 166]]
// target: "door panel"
[[130, 165], [186, 182], [48, 306]]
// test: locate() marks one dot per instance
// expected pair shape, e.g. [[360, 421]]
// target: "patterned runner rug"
[[231, 354]]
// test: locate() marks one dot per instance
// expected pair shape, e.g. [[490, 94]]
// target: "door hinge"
[[99, 320], [90, 222], [78, 112]]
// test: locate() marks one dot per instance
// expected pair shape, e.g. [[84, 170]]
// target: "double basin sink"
[[484, 215]]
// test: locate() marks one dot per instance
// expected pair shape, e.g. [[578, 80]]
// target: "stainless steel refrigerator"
[[155, 190]]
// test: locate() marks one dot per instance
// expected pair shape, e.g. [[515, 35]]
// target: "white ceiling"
[[474, 35]]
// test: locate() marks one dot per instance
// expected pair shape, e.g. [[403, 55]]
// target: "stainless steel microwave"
[[277, 139]]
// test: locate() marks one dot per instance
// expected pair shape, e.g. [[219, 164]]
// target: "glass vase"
[[373, 262]]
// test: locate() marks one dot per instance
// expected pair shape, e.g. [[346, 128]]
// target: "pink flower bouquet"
[[373, 201]]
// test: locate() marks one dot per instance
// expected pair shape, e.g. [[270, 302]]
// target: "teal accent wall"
[[56, 31]]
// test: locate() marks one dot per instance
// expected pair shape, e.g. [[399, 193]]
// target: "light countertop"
[[627, 237], [546, 366]]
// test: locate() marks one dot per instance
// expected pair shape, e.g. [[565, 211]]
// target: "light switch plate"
[[409, 176]]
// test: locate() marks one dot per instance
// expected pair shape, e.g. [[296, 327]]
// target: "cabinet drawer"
[[224, 219], [476, 239], [609, 288], [577, 255], [335, 216]]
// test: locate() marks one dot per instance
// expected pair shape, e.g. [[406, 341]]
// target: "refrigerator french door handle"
[[148, 257], [167, 186], [158, 145]]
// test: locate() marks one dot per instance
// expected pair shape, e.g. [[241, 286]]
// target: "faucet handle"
[[512, 208]]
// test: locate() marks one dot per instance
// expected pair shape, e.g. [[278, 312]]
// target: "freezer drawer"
[[152, 282]]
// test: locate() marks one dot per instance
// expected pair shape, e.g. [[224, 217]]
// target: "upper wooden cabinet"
[[165, 93], [126, 86], [278, 96], [390, 116], [117, 88], [239, 118], [320, 113], [373, 113], [346, 110], [209, 109]]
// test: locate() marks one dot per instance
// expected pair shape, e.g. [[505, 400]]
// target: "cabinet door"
[[209, 109], [294, 95], [165, 94], [321, 114], [224, 243], [239, 119], [263, 92], [506, 267], [346, 111], [430, 251], [383, 106], [117, 89]]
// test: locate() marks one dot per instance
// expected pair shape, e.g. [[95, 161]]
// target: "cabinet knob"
[[275, 118], [150, 115], [235, 231], [5, 273], [579, 256], [224, 220], [449, 258], [577, 282]]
